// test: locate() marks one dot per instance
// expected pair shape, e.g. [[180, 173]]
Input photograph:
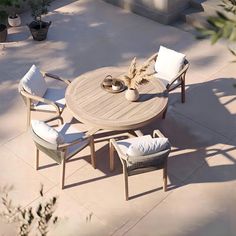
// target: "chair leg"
[[164, 114], [28, 113], [111, 150], [63, 167], [60, 120], [165, 176], [183, 91], [37, 159], [126, 183], [93, 158]]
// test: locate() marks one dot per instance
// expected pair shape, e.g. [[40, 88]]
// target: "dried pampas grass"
[[137, 75]]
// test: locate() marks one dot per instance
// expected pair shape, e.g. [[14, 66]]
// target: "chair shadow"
[[148, 96], [47, 166], [145, 193]]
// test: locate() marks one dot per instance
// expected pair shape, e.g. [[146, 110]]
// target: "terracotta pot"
[[132, 94], [14, 21]]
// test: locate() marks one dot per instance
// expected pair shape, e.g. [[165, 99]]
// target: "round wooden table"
[[93, 106]]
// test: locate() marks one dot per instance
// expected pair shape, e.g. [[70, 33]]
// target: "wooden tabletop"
[[92, 105]]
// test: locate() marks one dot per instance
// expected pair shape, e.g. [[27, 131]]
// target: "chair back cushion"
[[46, 132], [143, 147], [34, 83], [169, 63]]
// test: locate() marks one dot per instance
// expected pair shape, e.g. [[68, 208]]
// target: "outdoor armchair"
[[38, 96], [171, 68], [60, 143], [151, 155]]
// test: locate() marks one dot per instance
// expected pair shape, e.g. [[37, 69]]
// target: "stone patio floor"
[[86, 35]]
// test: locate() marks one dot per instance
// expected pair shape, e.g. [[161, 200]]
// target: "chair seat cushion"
[[144, 147], [69, 134], [164, 79], [169, 63], [34, 83], [56, 95], [46, 132]]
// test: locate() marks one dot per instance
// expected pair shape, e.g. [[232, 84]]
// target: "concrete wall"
[[164, 11]]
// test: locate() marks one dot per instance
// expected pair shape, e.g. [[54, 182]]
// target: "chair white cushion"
[[168, 63], [143, 147], [34, 83], [69, 134], [46, 132], [126, 143], [56, 95], [164, 79]]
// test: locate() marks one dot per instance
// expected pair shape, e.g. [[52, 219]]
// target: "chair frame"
[[113, 146], [29, 98], [62, 150], [180, 77]]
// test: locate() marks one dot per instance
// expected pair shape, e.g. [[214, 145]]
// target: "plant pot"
[[3, 33], [132, 94], [39, 34], [14, 21]]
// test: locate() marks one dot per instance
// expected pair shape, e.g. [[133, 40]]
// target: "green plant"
[[30, 221], [223, 25], [3, 17], [39, 8], [11, 6]]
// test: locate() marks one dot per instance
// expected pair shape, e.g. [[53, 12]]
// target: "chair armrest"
[[183, 71], [153, 57], [40, 99], [88, 136], [116, 146], [66, 145], [91, 132], [157, 133], [138, 133], [52, 119], [46, 74]]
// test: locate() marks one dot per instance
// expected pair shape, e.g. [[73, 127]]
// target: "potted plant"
[[3, 26], [11, 8], [39, 28], [136, 76]]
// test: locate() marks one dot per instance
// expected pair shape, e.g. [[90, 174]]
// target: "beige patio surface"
[[86, 35]]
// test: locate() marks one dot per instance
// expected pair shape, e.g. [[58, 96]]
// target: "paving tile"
[[204, 206], [74, 219], [211, 104], [7, 229], [12, 109], [207, 64], [24, 179]]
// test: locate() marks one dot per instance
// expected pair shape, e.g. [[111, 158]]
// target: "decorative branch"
[[137, 75], [30, 220]]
